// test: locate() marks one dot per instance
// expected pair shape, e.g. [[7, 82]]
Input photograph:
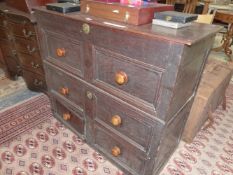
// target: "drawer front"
[[3, 34], [120, 151], [32, 64], [34, 81], [26, 31], [124, 119], [65, 85], [66, 52], [27, 47], [69, 116], [18, 19], [127, 76]]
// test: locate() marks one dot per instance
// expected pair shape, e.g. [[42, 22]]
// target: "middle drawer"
[[65, 85], [121, 118], [27, 47]]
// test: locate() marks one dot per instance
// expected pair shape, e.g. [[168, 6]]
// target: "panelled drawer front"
[[66, 52], [34, 81], [66, 85], [122, 73], [69, 116], [119, 150], [123, 118], [31, 63], [27, 47]]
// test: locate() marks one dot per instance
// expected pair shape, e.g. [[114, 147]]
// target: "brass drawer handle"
[[116, 120], [27, 34], [64, 91], [37, 82], [35, 65], [121, 78], [66, 116], [116, 151], [61, 52], [86, 28], [89, 95], [30, 49]]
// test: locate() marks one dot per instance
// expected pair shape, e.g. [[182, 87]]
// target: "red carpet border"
[[23, 116]]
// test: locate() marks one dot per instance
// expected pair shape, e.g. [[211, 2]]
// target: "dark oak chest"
[[20, 48], [126, 90]]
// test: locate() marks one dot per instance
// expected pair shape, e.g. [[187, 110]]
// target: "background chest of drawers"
[[126, 90], [19, 45]]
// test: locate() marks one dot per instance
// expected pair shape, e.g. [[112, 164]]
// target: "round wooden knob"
[[61, 52], [116, 120], [121, 78], [64, 91], [116, 151], [66, 116]]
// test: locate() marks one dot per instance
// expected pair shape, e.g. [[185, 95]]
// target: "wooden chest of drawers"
[[19, 44], [126, 90]]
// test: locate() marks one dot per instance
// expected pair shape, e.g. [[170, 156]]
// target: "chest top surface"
[[188, 35]]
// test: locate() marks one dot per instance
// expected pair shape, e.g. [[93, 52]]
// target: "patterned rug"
[[23, 116], [51, 149], [47, 149]]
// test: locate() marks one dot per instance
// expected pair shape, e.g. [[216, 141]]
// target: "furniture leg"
[[224, 102], [210, 119]]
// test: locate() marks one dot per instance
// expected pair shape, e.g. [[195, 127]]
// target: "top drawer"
[[65, 52]]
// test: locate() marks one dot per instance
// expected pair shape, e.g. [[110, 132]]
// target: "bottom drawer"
[[119, 151], [34, 81], [69, 116]]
